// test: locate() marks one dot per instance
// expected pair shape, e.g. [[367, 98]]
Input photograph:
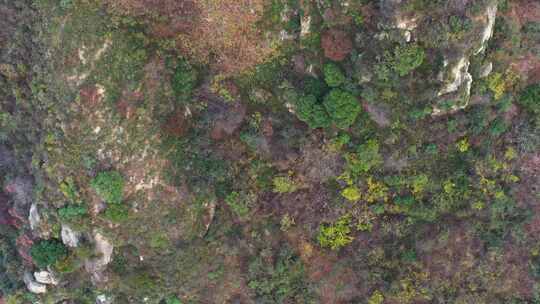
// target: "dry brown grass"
[[222, 33]]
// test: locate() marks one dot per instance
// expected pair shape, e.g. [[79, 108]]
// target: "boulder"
[[103, 299], [96, 266], [33, 217], [32, 285], [70, 237], [45, 277], [485, 70]]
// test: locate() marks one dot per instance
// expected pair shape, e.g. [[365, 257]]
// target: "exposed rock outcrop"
[[96, 266], [32, 285], [33, 217], [455, 76], [45, 277], [70, 237]]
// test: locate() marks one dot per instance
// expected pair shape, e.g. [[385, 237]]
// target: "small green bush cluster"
[[407, 58], [311, 112], [284, 184], [338, 107], [109, 186], [183, 80], [459, 26], [403, 60], [281, 282], [336, 235], [366, 157], [529, 99], [237, 204], [116, 212], [342, 107], [333, 75], [10, 264], [72, 212], [48, 252]]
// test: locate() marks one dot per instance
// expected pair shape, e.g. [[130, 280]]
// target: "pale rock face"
[[70, 237], [97, 266], [457, 80], [103, 299], [32, 285], [104, 247], [490, 14], [460, 75], [305, 26], [45, 277], [33, 217], [486, 69]]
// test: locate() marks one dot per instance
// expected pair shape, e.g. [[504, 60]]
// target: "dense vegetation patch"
[[48, 252]]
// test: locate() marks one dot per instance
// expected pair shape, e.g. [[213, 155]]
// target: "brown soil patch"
[[90, 96], [524, 11], [529, 66], [336, 44], [177, 124], [453, 257], [222, 33], [335, 283], [227, 30]]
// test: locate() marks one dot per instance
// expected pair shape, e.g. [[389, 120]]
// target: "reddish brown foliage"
[[177, 124], [529, 66], [228, 122], [336, 44], [524, 11], [24, 243], [90, 96], [126, 106]]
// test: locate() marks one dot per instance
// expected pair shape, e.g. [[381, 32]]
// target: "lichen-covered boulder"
[[45, 277], [96, 266], [69, 236], [32, 285]]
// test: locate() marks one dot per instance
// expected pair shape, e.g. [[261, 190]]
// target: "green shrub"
[[351, 193], [314, 86], [530, 99], [336, 235], [116, 212], [183, 80], [376, 298], [72, 212], [342, 107], [311, 112], [333, 75], [281, 282], [159, 240], [172, 300], [366, 158], [48, 252], [109, 186], [10, 263], [407, 58], [237, 204], [284, 184]]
